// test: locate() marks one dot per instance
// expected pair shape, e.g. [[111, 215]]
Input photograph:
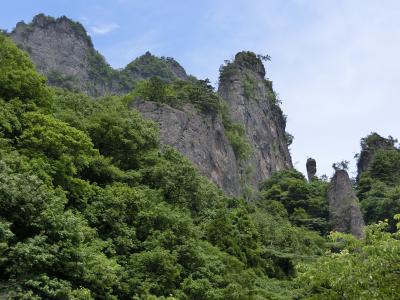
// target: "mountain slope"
[[235, 155]]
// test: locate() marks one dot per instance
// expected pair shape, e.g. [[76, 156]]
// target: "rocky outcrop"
[[201, 138], [311, 166], [344, 210], [148, 65], [369, 148], [63, 52], [252, 102]]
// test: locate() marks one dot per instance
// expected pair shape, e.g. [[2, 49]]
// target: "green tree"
[[305, 202], [18, 77], [122, 135], [363, 269], [378, 187]]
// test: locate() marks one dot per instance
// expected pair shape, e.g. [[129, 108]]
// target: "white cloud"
[[103, 28]]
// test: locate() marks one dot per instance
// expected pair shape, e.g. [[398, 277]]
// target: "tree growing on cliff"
[[341, 165]]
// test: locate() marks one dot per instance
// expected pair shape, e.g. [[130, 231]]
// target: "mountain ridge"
[[63, 51]]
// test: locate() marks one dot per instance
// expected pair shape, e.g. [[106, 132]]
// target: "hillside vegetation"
[[92, 206]]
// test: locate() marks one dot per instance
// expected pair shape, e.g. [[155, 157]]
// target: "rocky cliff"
[[200, 137], [203, 138], [252, 102], [344, 209], [62, 50]]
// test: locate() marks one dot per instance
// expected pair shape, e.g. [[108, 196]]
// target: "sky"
[[335, 63]]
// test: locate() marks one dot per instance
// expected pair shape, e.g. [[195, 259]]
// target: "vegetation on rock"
[[200, 94], [379, 186]]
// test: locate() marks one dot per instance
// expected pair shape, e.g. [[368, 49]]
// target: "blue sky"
[[335, 64]]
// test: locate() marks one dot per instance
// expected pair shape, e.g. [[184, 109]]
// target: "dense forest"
[[93, 206]]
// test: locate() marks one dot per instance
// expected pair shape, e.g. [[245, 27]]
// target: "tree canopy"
[[92, 206]]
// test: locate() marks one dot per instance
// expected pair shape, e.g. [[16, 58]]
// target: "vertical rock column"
[[344, 210], [252, 103], [311, 166]]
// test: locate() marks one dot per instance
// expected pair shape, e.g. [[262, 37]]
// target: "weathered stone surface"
[[251, 102], [344, 209], [369, 148], [62, 50], [201, 138], [311, 166]]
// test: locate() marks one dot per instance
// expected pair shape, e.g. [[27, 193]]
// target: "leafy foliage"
[[245, 59], [56, 78], [236, 135], [92, 207], [378, 188], [289, 138], [363, 269], [99, 69], [18, 78], [305, 202], [148, 65], [197, 92]]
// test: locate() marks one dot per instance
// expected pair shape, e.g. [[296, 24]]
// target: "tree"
[[264, 57], [305, 202], [341, 165], [18, 77], [122, 135], [363, 269]]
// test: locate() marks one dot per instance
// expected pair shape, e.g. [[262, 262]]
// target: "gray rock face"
[[252, 102], [61, 50], [201, 138], [311, 166], [344, 209], [369, 148], [176, 68]]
